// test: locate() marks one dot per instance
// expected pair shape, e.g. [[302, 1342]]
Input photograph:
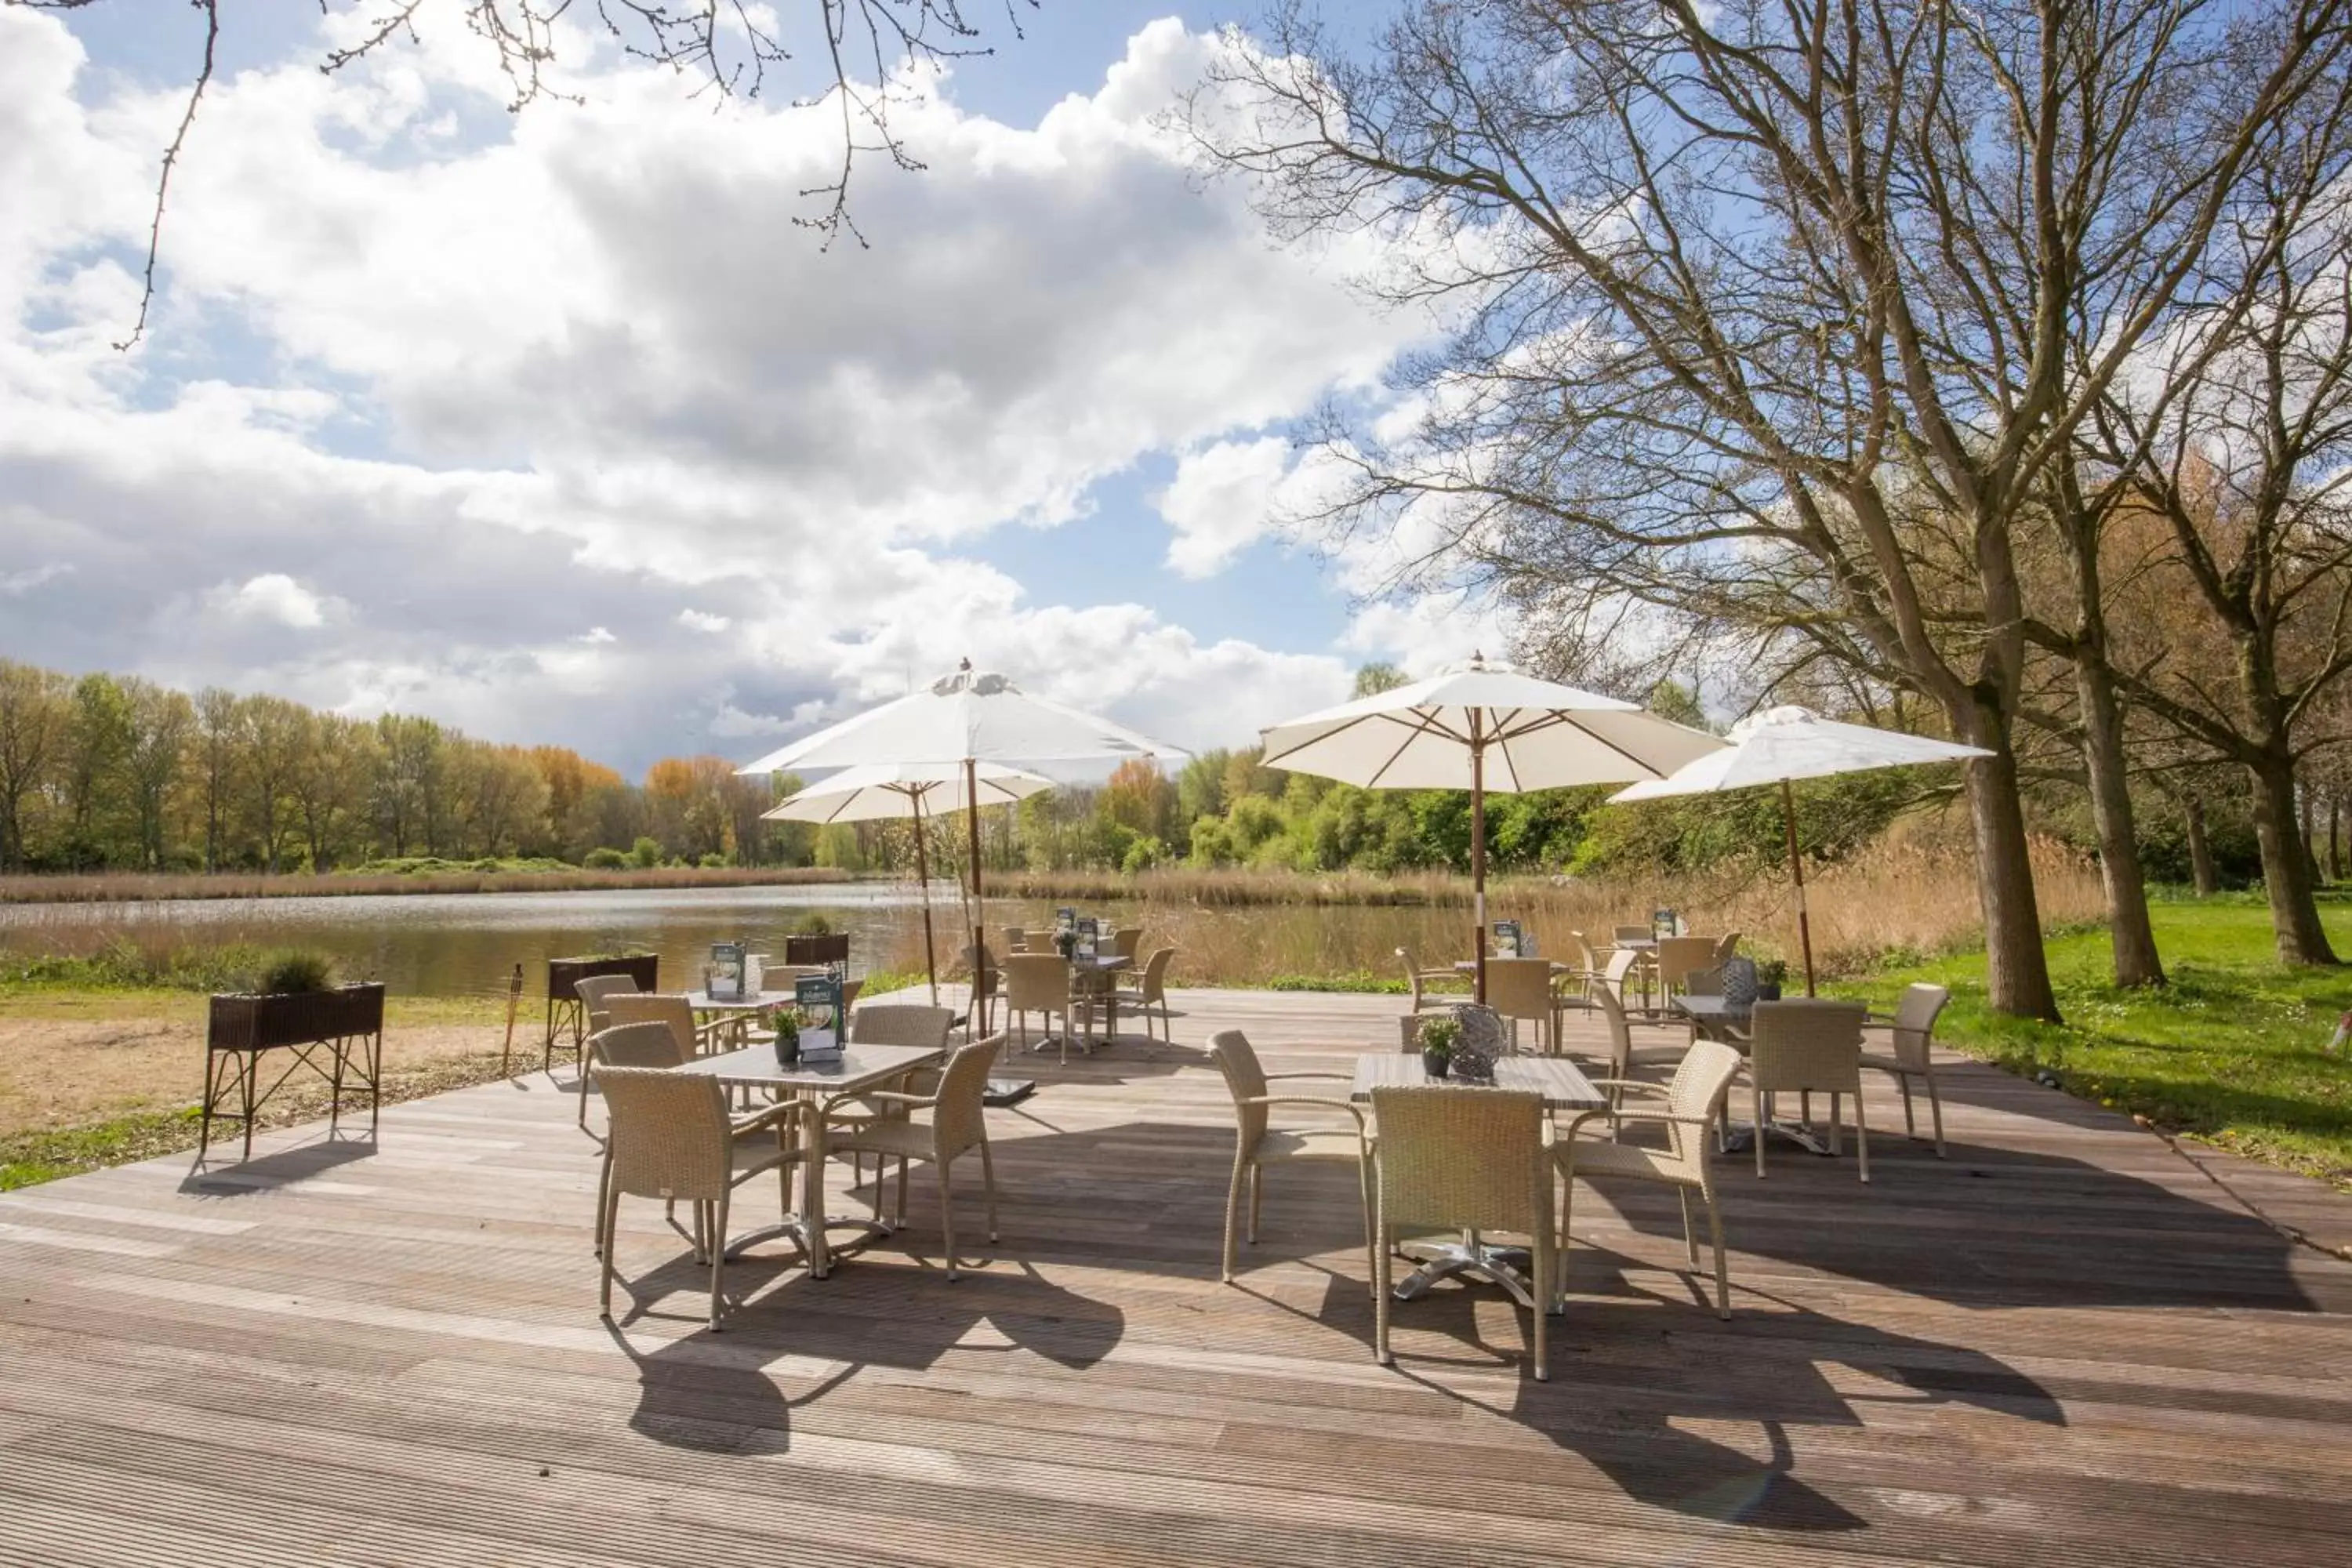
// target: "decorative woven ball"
[[1485, 1037], [1739, 982]]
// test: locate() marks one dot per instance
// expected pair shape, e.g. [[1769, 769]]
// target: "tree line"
[[118, 773], [1985, 369]]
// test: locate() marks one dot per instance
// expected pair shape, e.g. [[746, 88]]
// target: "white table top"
[[1560, 1081], [858, 1066], [703, 1002]]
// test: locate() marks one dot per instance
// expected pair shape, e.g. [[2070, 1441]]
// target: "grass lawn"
[[2234, 1050]]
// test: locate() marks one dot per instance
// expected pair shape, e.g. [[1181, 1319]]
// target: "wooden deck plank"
[[2065, 1344]]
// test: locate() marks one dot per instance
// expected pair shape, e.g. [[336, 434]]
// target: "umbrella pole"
[[971, 821], [923, 880], [1797, 875], [1478, 851]]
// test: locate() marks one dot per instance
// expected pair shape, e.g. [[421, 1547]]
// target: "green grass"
[[28, 1158], [2232, 1051]]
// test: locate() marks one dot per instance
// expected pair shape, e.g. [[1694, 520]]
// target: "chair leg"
[[1805, 1107], [947, 1216], [1234, 1208], [717, 1254], [1257, 1197], [987, 1185], [1690, 1237], [609, 1203], [899, 1205], [1544, 1269], [1763, 1120], [1566, 1240], [1380, 1286], [1861, 1137], [1722, 1275], [1936, 1111], [1903, 1082], [1364, 1192], [1837, 1122]]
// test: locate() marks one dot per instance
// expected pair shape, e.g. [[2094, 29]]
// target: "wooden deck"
[[2065, 1344]]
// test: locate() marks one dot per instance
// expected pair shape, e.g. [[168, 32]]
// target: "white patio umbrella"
[[967, 718], [1782, 744], [888, 791], [1485, 727]]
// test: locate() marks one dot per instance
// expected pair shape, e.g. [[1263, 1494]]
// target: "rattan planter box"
[[564, 973], [337, 1034]]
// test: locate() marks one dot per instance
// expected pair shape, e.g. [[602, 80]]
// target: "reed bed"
[[1895, 903], [113, 886]]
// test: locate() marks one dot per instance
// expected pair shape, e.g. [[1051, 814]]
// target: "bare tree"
[[1756, 285], [724, 47]]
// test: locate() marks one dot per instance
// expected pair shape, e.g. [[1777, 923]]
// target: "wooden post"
[[1479, 850], [1797, 875], [514, 1006], [923, 881]]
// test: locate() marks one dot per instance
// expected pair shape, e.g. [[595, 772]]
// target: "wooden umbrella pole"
[[979, 915], [1797, 875], [923, 880], [1478, 851]]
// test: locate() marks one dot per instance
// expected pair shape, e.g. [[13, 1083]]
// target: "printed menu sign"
[[724, 978]]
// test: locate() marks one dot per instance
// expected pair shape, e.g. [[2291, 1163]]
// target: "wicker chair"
[[671, 1139], [1678, 957], [1462, 1159], [1016, 939], [957, 1125], [987, 981], [596, 993], [1808, 1046], [1627, 935], [1627, 1055], [673, 1012], [1910, 1037], [1520, 988], [1126, 941], [1256, 1144], [1727, 946], [629, 1045], [1037, 982], [1693, 1102], [1149, 990], [892, 1024], [1421, 980]]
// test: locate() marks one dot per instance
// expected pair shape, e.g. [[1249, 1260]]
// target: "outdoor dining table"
[[740, 1009], [1563, 1086], [857, 1068], [1102, 990], [1716, 1018]]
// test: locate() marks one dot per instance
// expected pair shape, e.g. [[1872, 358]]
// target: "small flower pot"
[[1437, 1063], [1768, 991]]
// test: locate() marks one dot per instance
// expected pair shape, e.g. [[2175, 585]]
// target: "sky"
[[555, 427]]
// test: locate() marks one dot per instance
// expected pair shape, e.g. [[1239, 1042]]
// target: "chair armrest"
[[891, 1097], [1657, 1117], [783, 1111], [1339, 1077], [1637, 1085], [1349, 1106]]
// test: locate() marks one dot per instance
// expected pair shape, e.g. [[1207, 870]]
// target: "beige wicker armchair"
[[957, 1125], [1127, 941], [1679, 956], [1628, 1054], [675, 1013], [1520, 988], [672, 1138], [1475, 1160], [1693, 1101], [1910, 1039], [1423, 980], [1258, 1145], [1016, 939], [1149, 990], [987, 982], [596, 993], [1808, 1046], [639, 1044], [1037, 982]]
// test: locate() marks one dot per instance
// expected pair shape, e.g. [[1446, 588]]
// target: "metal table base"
[[1506, 1266], [1740, 1137]]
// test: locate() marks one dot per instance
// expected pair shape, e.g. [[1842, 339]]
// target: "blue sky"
[[556, 428]]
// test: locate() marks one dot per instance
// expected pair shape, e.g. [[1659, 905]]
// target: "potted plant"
[[1438, 1037], [1771, 974], [294, 1004], [786, 1022]]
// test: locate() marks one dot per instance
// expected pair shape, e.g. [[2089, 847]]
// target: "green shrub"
[[606, 859], [647, 852], [288, 969], [713, 862]]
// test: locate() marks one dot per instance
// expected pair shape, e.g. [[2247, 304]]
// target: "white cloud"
[[275, 597], [16, 584], [437, 403]]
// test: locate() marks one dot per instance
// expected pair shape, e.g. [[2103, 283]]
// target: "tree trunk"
[[2133, 937], [2308, 833], [2286, 864], [2200, 851], [2017, 970], [2335, 836]]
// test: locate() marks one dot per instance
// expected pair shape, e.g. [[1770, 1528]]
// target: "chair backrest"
[[669, 1137], [593, 991], [1621, 1037], [1126, 939], [1036, 981], [1812, 1043], [1698, 1091], [1678, 956], [1015, 940], [1915, 1022], [1634, 933], [1704, 982], [1727, 945], [1473, 1158], [901, 1023], [1620, 966], [1520, 987], [1585, 956], [1245, 1077], [1155, 974], [983, 974], [958, 1116], [673, 1013], [637, 1045]]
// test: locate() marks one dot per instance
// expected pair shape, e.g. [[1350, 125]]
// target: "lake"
[[468, 943]]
